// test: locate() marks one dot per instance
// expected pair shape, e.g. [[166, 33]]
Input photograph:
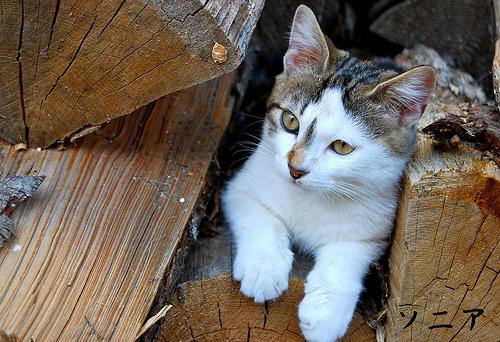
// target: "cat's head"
[[335, 121]]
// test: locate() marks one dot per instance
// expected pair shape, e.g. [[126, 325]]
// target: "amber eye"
[[341, 147], [289, 122]]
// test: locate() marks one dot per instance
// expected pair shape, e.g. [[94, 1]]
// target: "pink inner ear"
[[411, 113], [300, 57]]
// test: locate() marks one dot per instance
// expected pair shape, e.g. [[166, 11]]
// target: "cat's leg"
[[332, 289], [263, 257]]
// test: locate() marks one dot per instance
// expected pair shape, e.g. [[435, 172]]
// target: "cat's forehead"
[[353, 77], [327, 117]]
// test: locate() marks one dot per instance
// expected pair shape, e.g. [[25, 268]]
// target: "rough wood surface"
[[93, 248], [445, 255], [462, 30], [213, 310], [208, 306], [444, 258], [13, 191], [68, 65], [477, 124]]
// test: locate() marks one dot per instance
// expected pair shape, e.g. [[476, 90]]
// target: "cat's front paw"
[[323, 319], [263, 276]]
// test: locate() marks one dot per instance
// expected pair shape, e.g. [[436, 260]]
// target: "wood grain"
[[208, 305], [213, 310], [445, 256], [68, 65], [94, 244]]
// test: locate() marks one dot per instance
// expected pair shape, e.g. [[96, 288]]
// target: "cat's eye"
[[289, 122], [341, 147]]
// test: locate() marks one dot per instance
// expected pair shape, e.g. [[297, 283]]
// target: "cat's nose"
[[296, 174]]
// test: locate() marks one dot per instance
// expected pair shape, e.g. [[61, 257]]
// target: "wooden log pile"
[[445, 252], [99, 252], [106, 233]]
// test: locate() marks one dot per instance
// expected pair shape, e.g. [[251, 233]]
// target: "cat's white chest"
[[311, 219], [314, 221]]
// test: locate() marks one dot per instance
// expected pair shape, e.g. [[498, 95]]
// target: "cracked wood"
[[209, 306], [445, 254], [70, 64], [93, 249], [213, 309]]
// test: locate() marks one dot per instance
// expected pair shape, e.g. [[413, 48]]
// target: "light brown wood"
[[68, 65], [462, 30], [103, 233], [209, 306], [212, 309], [445, 255]]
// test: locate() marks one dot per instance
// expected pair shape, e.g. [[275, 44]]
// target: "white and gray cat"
[[338, 134]]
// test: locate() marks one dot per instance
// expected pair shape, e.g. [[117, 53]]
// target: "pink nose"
[[296, 174]]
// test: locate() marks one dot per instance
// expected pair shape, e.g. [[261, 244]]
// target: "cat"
[[336, 139]]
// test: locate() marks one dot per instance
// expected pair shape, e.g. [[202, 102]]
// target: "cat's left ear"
[[307, 51], [404, 97]]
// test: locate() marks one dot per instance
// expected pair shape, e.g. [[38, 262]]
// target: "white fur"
[[341, 212]]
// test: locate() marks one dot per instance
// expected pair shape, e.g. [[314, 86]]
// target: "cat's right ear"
[[403, 98], [307, 51]]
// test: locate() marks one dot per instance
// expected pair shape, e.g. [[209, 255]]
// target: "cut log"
[[462, 30], [214, 310], [70, 65], [445, 255], [208, 305], [110, 230]]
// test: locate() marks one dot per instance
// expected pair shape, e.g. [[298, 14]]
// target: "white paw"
[[322, 319], [263, 276]]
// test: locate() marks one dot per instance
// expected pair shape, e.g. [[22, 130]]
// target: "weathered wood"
[[462, 30], [70, 64], [477, 124], [445, 251], [444, 258], [13, 191], [209, 306], [213, 309], [104, 234]]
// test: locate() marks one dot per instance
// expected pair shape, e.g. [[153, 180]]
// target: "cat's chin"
[[300, 184]]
